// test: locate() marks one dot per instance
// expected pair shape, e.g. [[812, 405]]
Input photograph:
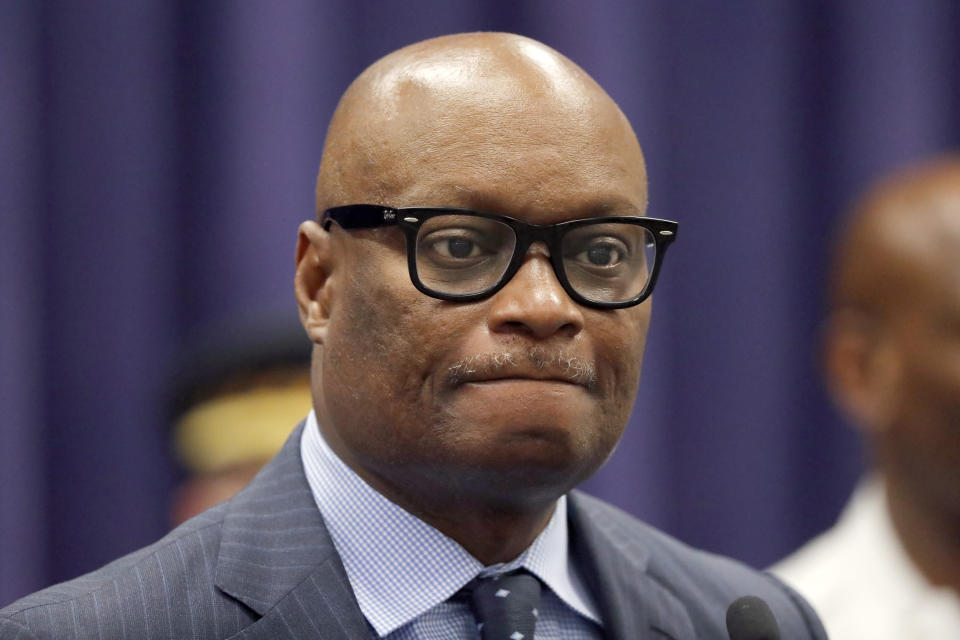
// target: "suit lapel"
[[277, 558], [322, 606], [614, 563]]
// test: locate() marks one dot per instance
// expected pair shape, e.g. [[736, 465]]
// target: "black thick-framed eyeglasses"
[[461, 255]]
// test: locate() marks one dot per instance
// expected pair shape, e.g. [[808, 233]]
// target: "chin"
[[528, 463], [541, 412], [523, 448], [540, 447]]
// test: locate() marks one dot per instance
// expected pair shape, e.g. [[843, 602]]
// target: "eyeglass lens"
[[463, 255]]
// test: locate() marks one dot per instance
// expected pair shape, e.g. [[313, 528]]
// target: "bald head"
[[481, 108], [901, 246]]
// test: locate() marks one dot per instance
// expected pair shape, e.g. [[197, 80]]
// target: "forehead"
[[522, 167], [944, 265], [534, 144], [912, 255]]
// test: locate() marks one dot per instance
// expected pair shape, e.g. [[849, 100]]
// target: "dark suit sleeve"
[[10, 630]]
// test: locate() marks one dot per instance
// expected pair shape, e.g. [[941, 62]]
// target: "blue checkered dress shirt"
[[403, 571]]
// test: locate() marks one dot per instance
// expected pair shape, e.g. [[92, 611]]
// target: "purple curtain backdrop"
[[156, 158]]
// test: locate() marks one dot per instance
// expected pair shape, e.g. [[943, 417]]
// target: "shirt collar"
[[398, 565]]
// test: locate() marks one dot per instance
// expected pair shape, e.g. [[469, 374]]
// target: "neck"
[[488, 515], [491, 533], [491, 536], [930, 535]]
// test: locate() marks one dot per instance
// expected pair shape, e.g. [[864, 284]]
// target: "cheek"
[[927, 439], [932, 377], [384, 344], [620, 343], [371, 340]]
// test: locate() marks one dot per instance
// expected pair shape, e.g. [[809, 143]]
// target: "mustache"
[[537, 362]]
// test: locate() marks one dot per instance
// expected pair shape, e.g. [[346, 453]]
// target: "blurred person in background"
[[240, 391], [890, 567]]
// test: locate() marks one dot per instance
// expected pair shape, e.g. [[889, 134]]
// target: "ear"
[[863, 368], [312, 284]]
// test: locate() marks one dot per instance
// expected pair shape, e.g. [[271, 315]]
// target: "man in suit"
[[890, 567], [469, 370]]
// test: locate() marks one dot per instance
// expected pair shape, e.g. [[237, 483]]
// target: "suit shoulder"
[[10, 630], [701, 580], [141, 595]]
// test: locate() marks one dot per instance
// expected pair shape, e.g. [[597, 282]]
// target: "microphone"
[[750, 618]]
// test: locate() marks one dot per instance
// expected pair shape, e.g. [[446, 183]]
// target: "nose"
[[534, 302]]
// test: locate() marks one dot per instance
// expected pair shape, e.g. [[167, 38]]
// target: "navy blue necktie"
[[505, 606]]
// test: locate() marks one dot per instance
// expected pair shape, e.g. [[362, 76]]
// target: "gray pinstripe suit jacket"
[[262, 566]]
